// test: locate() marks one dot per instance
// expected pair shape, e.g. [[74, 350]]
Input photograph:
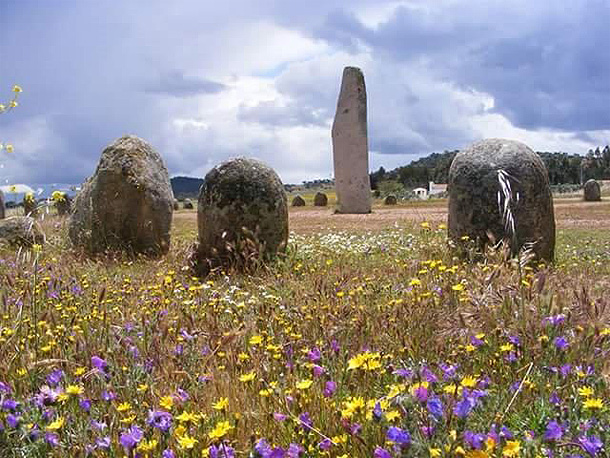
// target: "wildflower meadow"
[[354, 344]]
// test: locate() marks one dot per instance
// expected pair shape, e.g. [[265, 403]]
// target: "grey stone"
[[2, 209], [298, 201], [350, 145], [390, 200], [477, 201], [188, 204], [320, 199], [127, 203], [241, 201], [592, 191], [20, 230], [176, 204]]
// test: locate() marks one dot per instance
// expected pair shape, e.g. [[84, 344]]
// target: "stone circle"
[[320, 199], [298, 201]]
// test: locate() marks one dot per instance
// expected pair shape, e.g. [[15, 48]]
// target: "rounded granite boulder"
[[20, 231], [298, 201], [241, 201], [127, 203], [592, 191], [499, 190], [390, 200], [320, 199]]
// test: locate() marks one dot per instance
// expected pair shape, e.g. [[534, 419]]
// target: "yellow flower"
[[220, 430], [9, 148], [255, 340], [511, 449], [476, 454], [186, 442], [458, 287], [434, 452], [304, 384], [147, 446], [367, 361], [247, 377], [222, 404], [17, 89], [167, 402], [593, 403], [57, 424], [507, 347], [469, 382], [123, 407], [425, 225], [585, 391], [74, 390], [80, 371], [188, 417]]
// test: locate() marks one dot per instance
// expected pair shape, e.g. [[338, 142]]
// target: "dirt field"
[[569, 213]]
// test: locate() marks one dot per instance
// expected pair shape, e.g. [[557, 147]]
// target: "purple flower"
[[13, 420], [277, 416], [565, 370], [99, 363], [5, 388], [221, 451], [381, 453], [355, 428], [334, 345], [103, 442], [263, 448], [475, 342], [99, 425], [318, 370], [160, 419], [406, 373], [592, 444], [398, 436], [377, 412], [85, 404], [474, 440], [463, 408], [449, 371], [305, 420], [130, 438], [182, 395], [421, 393], [561, 343], [314, 355], [55, 377], [428, 375], [515, 340], [168, 453], [294, 451], [329, 388], [555, 320], [554, 398], [505, 433], [553, 432], [326, 444], [9, 404], [435, 407], [52, 439], [108, 395]]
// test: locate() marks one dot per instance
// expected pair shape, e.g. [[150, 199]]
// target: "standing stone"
[[390, 200], [499, 190], [350, 145], [320, 199], [21, 231], [127, 203], [298, 201], [593, 192], [2, 210], [242, 206], [188, 204]]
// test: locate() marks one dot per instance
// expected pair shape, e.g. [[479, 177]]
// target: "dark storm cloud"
[[547, 64]]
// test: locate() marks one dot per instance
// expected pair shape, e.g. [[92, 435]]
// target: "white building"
[[436, 188], [422, 193]]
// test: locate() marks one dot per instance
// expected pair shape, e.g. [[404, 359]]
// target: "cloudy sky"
[[204, 81]]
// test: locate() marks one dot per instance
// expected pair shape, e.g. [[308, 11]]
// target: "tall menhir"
[[350, 145]]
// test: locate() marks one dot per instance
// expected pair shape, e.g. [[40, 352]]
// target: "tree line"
[[563, 168]]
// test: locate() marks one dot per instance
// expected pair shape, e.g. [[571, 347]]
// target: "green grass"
[[397, 323]]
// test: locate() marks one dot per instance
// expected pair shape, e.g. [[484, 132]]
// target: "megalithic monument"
[[350, 145]]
